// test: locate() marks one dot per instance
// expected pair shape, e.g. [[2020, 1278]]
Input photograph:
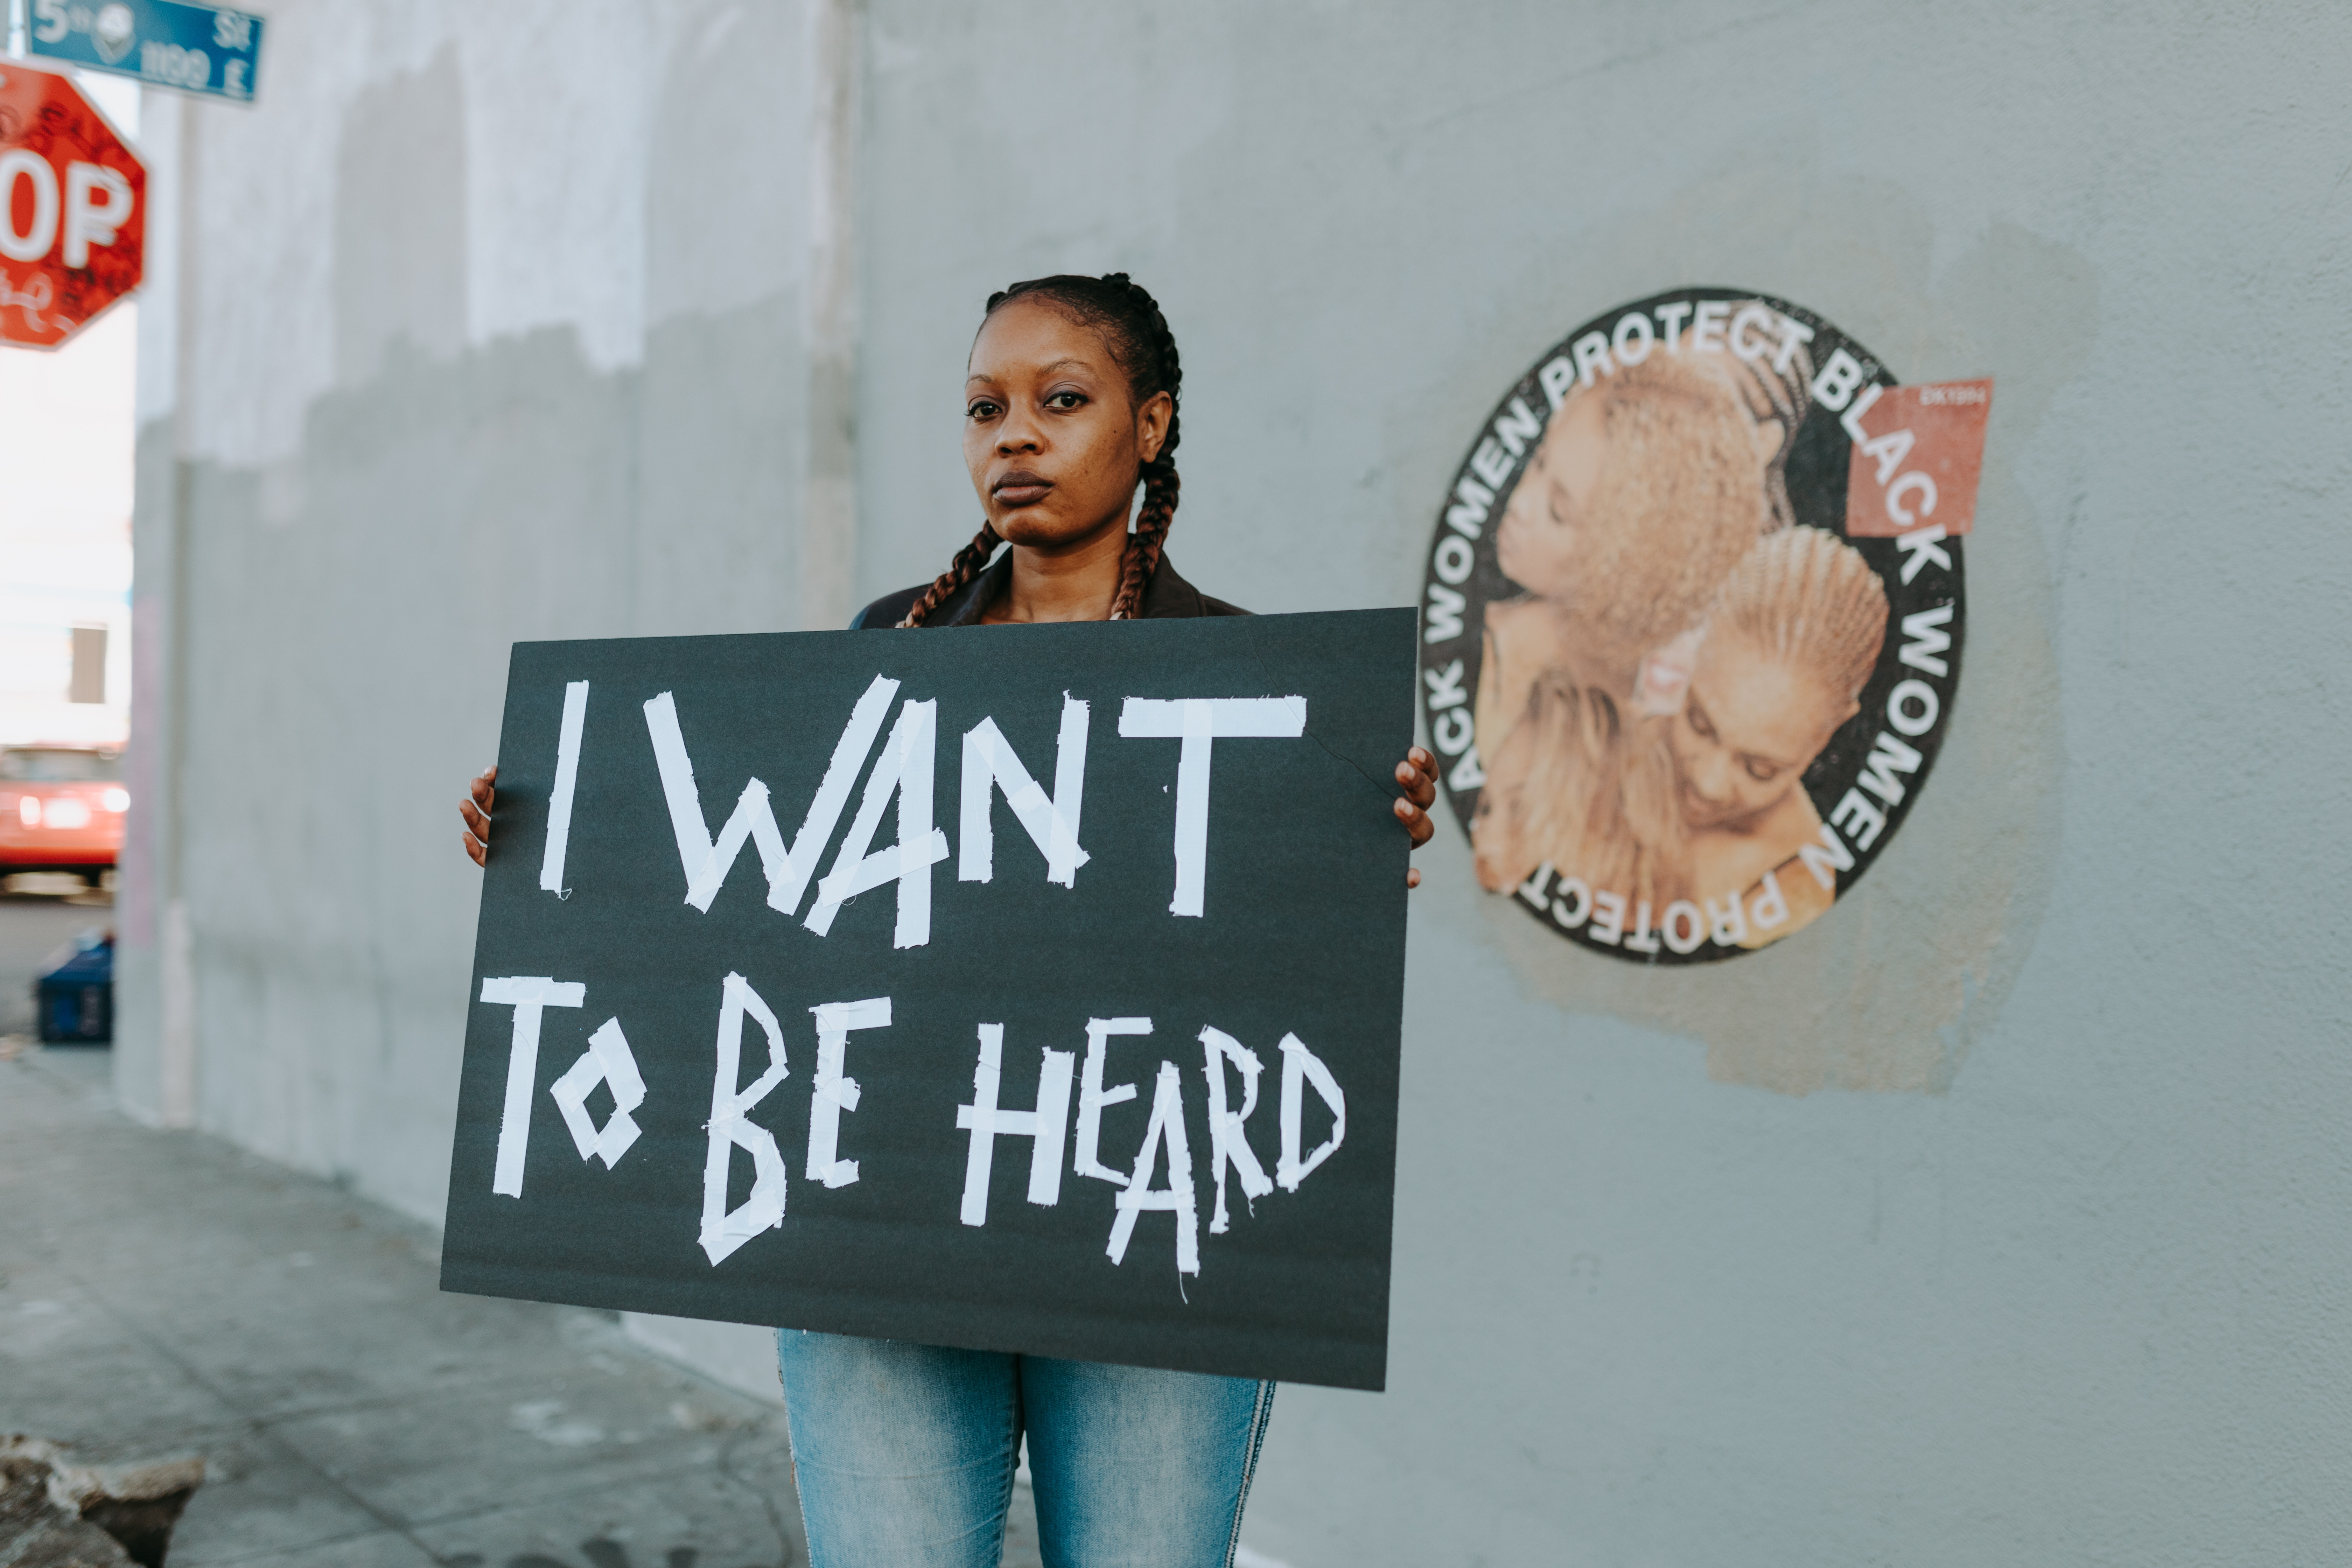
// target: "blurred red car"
[[62, 809]]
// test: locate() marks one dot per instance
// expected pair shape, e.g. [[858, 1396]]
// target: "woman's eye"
[[1759, 770], [1064, 400], [982, 409]]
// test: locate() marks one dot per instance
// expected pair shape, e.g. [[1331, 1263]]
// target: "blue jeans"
[[904, 1454]]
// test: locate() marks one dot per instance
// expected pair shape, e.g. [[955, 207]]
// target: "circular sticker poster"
[[1691, 622]]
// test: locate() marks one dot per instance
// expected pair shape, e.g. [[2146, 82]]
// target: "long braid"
[[1160, 371], [967, 564], [1150, 536], [1139, 340]]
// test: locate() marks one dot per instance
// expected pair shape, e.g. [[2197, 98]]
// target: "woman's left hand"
[[1417, 775]]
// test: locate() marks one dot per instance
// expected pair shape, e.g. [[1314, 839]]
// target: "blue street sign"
[[194, 48]]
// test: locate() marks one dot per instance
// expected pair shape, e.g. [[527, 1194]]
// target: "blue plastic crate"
[[74, 995]]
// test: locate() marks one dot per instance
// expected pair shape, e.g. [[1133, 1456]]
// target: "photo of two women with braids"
[[1684, 673]]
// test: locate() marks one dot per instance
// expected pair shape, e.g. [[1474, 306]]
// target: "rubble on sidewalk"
[[56, 1514]]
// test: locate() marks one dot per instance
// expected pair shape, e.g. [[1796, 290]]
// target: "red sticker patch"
[[1917, 452]]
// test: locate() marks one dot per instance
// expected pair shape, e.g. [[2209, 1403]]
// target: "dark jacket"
[[1165, 596]]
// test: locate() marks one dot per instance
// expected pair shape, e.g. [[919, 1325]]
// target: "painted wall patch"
[[1692, 621]]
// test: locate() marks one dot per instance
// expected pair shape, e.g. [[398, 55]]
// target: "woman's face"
[[1547, 525], [1750, 726], [1052, 437]]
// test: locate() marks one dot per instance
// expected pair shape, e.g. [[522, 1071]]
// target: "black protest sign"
[[1029, 988]]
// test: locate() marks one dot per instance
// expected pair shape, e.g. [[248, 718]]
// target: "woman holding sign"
[[906, 1453]]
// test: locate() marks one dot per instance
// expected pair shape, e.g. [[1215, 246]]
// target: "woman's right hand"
[[476, 810]]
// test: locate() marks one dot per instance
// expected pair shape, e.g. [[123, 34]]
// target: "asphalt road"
[[31, 929]]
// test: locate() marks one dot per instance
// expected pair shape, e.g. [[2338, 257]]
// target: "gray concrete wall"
[[2026, 1243], [489, 328]]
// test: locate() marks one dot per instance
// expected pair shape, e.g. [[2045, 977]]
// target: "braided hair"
[[1137, 334], [1778, 401], [1806, 596]]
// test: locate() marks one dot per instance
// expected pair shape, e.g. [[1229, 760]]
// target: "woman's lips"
[[1020, 488]]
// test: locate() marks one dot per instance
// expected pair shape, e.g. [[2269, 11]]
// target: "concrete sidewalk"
[[162, 1292]]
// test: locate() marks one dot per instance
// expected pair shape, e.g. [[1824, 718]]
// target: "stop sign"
[[73, 209]]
